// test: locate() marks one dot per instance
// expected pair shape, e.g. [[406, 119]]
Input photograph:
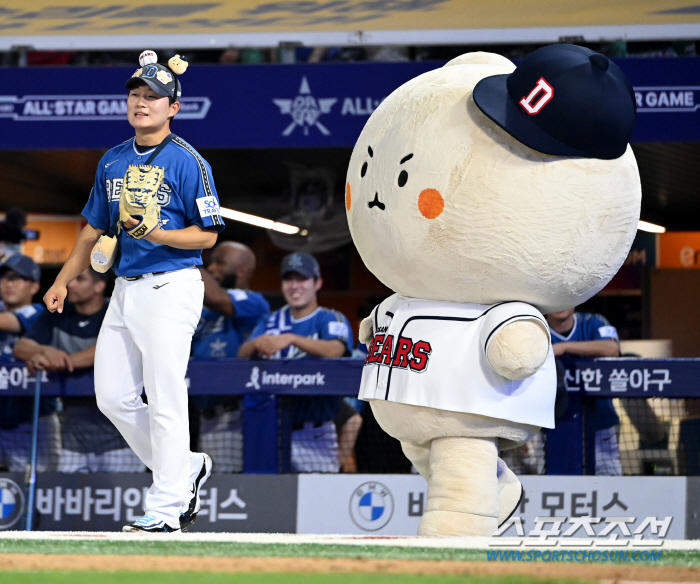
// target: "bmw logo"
[[11, 503], [371, 506]]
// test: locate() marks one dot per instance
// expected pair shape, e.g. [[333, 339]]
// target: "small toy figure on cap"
[[178, 64], [147, 57]]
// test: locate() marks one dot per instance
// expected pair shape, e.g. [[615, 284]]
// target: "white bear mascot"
[[486, 196]]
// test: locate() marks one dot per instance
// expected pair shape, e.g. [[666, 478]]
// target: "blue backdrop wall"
[[280, 106]]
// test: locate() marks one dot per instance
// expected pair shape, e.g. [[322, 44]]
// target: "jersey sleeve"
[[27, 316], [503, 314], [248, 305], [96, 211], [334, 325], [42, 329], [599, 329], [199, 195], [259, 329]]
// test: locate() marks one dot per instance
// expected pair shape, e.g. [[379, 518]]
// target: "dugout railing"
[[658, 402]]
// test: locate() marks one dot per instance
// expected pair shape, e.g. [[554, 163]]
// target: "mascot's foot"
[[439, 522], [510, 492]]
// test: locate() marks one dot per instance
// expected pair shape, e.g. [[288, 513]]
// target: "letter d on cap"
[[547, 93]]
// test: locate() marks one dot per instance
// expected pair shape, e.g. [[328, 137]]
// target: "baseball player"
[[591, 335], [158, 191], [303, 329]]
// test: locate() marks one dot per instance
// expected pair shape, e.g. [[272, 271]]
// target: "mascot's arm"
[[518, 349], [515, 338]]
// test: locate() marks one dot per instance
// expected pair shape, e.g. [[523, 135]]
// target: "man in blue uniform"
[[298, 330], [591, 335], [230, 315], [146, 335], [19, 282]]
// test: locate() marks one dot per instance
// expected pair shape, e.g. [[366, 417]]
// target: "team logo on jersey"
[[401, 352], [11, 503], [114, 188], [305, 110], [371, 506]]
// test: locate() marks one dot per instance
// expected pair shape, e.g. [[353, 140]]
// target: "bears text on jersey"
[[405, 354]]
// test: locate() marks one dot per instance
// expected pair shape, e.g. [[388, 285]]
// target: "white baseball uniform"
[[433, 354], [145, 339]]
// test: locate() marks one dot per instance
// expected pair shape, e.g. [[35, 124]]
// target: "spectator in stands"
[[299, 330], [19, 282], [591, 335], [66, 342], [230, 314]]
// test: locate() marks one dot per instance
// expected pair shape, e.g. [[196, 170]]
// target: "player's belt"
[[132, 278]]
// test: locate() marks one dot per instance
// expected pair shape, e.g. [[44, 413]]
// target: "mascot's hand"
[[366, 331], [518, 349]]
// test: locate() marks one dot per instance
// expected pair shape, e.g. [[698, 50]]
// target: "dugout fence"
[[303, 416]]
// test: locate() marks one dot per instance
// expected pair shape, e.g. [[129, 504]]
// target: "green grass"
[[271, 578], [176, 547]]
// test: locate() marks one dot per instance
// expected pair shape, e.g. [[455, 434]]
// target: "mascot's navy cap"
[[564, 100]]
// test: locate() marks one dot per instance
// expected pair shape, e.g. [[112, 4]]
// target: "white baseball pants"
[[145, 342]]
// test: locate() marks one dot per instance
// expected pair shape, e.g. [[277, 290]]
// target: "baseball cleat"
[[149, 524], [188, 518]]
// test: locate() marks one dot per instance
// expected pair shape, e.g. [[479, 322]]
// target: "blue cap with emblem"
[[564, 100], [23, 265], [162, 79], [301, 263]]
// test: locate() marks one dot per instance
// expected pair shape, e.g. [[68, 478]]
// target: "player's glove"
[[139, 199]]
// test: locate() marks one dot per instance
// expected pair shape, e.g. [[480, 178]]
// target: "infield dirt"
[[141, 563]]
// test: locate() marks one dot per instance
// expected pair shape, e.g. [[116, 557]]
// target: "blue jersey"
[[322, 323], [17, 410], [221, 336], [588, 327], [186, 197], [593, 327], [27, 316]]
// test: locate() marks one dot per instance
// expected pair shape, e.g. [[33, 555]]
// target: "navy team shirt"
[[26, 315], [593, 327], [221, 336], [186, 197], [16, 409], [323, 324]]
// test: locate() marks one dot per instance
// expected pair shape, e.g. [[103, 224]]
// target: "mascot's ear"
[[481, 58]]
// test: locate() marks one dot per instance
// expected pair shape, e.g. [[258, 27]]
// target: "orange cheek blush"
[[348, 198], [430, 203]]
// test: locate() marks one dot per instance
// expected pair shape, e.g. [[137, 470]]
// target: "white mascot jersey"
[[428, 353]]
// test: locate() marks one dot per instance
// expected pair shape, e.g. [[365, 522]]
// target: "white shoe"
[[189, 516], [149, 524]]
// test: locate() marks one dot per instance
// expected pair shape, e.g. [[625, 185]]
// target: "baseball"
[[147, 57]]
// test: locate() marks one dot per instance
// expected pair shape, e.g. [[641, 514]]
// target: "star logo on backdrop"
[[305, 110]]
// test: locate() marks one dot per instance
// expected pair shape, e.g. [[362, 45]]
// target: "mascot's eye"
[[363, 171], [403, 178]]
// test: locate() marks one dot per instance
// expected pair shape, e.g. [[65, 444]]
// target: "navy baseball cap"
[[161, 79], [23, 265], [302, 263], [564, 100]]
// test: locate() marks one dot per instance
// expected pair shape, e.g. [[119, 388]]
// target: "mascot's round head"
[[478, 182]]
